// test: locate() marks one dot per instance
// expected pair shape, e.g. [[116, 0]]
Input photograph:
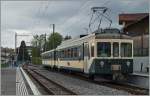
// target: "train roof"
[[48, 51], [112, 33], [111, 36], [108, 33]]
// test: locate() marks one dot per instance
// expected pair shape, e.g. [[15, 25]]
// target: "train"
[[105, 52]]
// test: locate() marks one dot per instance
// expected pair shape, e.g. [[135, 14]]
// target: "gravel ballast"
[[79, 86]]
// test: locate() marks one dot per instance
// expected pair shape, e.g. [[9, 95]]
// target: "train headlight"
[[102, 63], [93, 43], [128, 63]]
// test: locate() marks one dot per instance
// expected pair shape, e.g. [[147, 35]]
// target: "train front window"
[[103, 49], [126, 49], [115, 49]]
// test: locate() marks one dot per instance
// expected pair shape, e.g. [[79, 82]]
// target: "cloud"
[[69, 17]]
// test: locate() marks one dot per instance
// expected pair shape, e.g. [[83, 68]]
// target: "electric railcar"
[[105, 53]]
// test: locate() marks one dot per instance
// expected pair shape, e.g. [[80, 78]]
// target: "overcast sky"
[[70, 17]]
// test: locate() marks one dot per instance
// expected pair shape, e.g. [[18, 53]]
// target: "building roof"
[[131, 17]]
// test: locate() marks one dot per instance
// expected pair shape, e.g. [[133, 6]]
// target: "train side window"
[[71, 52], [68, 53], [65, 53], [115, 49], [92, 51], [51, 55], [61, 53], [75, 52]]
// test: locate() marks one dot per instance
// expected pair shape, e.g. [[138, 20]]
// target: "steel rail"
[[50, 86]]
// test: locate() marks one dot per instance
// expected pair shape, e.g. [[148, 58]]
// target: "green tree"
[[23, 53], [38, 41], [67, 37], [36, 57], [54, 40], [38, 45]]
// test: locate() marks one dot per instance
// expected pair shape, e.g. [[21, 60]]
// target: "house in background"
[[136, 25], [7, 55]]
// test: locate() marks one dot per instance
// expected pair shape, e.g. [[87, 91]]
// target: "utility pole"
[[15, 43], [53, 35], [54, 42], [15, 56], [45, 43], [5, 57]]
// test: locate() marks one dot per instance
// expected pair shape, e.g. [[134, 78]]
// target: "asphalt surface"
[[8, 81]]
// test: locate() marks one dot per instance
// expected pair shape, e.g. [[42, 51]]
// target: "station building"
[[136, 25]]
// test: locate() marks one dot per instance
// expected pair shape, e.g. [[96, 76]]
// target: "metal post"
[[15, 56], [54, 42], [5, 56], [45, 43], [53, 35], [15, 44]]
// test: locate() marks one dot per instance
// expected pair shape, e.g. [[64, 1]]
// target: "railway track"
[[122, 86], [50, 86], [109, 83], [114, 84], [132, 89]]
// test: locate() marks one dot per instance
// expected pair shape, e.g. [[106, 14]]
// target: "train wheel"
[[69, 71], [118, 76], [114, 77], [91, 76]]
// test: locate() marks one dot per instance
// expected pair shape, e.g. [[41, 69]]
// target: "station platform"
[[143, 74], [8, 81], [21, 88], [140, 79], [13, 82]]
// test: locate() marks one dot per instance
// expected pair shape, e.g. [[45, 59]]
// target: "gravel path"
[[81, 87]]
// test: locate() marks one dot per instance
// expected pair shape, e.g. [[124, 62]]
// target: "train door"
[[86, 56], [54, 59]]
